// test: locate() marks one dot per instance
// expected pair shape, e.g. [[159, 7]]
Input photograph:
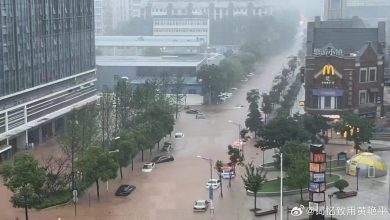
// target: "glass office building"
[[47, 65]]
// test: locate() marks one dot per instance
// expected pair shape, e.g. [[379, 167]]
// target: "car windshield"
[[147, 166], [199, 203], [212, 181]]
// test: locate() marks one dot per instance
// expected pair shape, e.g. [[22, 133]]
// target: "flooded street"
[[169, 191]]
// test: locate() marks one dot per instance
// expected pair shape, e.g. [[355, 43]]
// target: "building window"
[[363, 75], [116, 77], [362, 96], [372, 97], [327, 102], [315, 102], [372, 74]]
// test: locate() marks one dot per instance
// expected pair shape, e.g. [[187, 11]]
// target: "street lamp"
[[357, 178], [330, 196], [239, 135], [210, 187]]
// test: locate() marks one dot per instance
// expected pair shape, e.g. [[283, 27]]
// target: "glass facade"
[[42, 41]]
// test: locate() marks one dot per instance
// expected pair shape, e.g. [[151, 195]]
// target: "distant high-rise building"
[[47, 66], [214, 10], [334, 9]]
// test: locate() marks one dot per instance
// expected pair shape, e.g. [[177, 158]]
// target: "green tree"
[[341, 184], [218, 167], [297, 157], [126, 147], [356, 128], [314, 124], [106, 114], [97, 164], [266, 106], [254, 179], [281, 130], [235, 156], [254, 121], [213, 81], [177, 90], [25, 179], [253, 96], [123, 101]]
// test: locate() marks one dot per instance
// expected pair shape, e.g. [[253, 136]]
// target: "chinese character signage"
[[317, 184]]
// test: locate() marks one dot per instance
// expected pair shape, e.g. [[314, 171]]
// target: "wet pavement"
[[169, 191]]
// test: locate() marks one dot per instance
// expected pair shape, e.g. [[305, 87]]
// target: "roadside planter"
[[289, 192]]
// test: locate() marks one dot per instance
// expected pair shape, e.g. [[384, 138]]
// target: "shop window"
[[327, 102], [363, 75], [372, 74], [362, 97]]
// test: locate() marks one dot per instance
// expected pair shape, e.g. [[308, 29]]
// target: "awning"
[[328, 92], [373, 90]]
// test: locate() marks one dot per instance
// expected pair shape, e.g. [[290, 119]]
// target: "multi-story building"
[[147, 45], [193, 26], [47, 66], [344, 68], [334, 9], [213, 9]]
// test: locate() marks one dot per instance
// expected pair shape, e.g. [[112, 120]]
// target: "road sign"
[[75, 199]]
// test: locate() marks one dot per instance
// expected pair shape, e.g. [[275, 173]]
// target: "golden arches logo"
[[328, 70]]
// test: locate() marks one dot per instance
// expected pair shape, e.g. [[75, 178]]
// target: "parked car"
[[124, 190], [214, 183], [250, 74], [244, 80], [167, 147], [192, 111], [179, 135], [148, 167], [162, 159], [200, 116], [201, 205]]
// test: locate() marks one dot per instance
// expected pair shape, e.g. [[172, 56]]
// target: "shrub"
[[341, 184]]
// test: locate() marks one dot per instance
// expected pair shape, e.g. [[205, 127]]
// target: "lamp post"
[[281, 186], [330, 165], [330, 205], [210, 187], [239, 136], [357, 178]]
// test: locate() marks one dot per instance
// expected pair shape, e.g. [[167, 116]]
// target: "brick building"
[[344, 68]]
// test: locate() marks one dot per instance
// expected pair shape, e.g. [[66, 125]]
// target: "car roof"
[[201, 200]]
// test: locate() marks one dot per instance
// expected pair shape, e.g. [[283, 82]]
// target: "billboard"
[[317, 177]]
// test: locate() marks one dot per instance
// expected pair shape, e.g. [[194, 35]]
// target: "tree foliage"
[[25, 179], [97, 164], [341, 184], [254, 179], [356, 128], [281, 130], [295, 162]]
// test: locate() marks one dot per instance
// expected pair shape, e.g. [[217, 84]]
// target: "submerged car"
[[192, 111], [162, 159], [148, 167], [167, 147], [124, 190], [179, 135], [201, 205]]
